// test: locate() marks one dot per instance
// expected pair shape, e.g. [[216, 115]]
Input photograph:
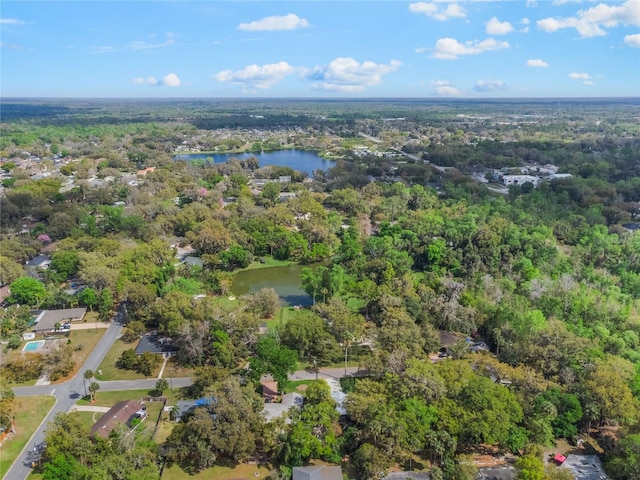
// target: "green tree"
[[105, 303], [93, 389], [625, 459], [64, 467], [264, 302], [530, 467], [568, 412], [273, 358], [147, 363], [370, 462], [10, 270], [87, 375], [134, 330], [65, 263], [27, 291], [88, 298], [161, 386], [127, 360]]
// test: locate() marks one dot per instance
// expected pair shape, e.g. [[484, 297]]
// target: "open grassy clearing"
[[109, 399], [88, 418], [29, 414], [88, 339], [268, 263], [174, 370], [243, 470]]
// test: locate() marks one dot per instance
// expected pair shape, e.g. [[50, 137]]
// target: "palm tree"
[[93, 388], [88, 375], [174, 411], [161, 386]]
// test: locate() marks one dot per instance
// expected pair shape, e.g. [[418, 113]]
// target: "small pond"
[[285, 281], [299, 160]]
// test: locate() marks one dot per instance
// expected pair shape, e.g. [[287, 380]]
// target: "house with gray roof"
[[317, 472], [47, 319], [274, 410], [585, 467]]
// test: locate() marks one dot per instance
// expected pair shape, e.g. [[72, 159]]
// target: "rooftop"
[[47, 319], [317, 472], [154, 343], [120, 413], [585, 467]]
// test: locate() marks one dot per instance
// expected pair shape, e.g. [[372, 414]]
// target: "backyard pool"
[[31, 346]]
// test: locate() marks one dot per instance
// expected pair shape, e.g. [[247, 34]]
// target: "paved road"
[[66, 395]]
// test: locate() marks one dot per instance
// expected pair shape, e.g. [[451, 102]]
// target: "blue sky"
[[444, 48]]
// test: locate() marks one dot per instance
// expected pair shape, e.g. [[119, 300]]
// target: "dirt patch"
[[302, 388]]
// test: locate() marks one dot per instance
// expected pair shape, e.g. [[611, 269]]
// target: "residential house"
[[122, 413], [585, 467], [274, 410], [47, 319], [317, 472], [155, 343], [187, 406]]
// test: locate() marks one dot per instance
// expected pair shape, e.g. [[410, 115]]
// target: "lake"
[[300, 160], [285, 281]]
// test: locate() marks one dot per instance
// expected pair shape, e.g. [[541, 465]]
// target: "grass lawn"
[[164, 430], [174, 370], [108, 365], [88, 339], [284, 315], [294, 386], [146, 428], [268, 263], [219, 473], [89, 418], [109, 399], [29, 414]]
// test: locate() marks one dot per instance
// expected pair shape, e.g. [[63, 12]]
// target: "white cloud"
[[349, 75], [448, 91], [11, 21], [496, 27], [537, 62], [589, 22], [525, 21], [440, 83], [169, 80], [145, 81], [587, 83], [633, 40], [450, 49], [489, 86], [256, 76], [286, 22], [579, 76], [438, 11], [136, 46]]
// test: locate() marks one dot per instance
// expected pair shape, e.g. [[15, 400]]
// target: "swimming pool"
[[35, 345]]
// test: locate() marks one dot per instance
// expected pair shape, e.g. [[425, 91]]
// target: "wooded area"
[[403, 243]]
